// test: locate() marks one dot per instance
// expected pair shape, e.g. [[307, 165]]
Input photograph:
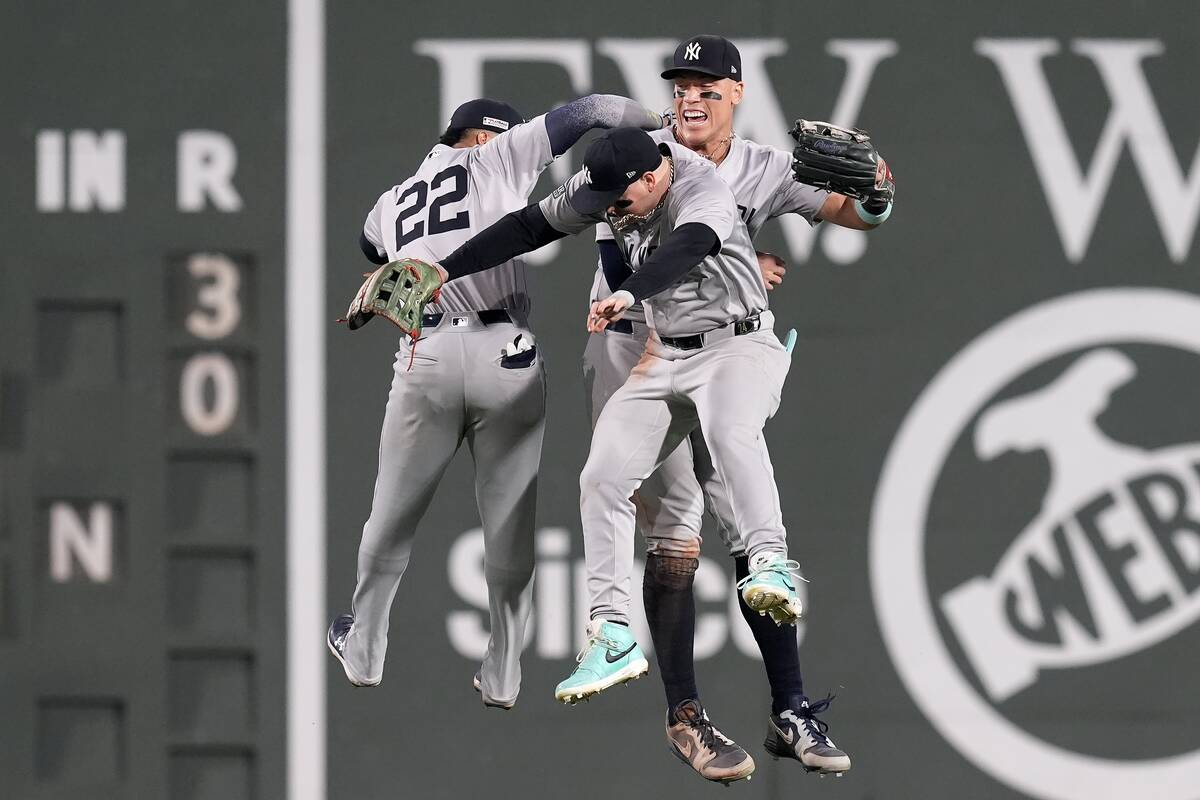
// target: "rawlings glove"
[[842, 160], [399, 291]]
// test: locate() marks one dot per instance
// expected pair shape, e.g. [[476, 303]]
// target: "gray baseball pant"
[[670, 504], [459, 388], [728, 389]]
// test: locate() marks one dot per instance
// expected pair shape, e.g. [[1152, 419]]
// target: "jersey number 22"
[[456, 174]]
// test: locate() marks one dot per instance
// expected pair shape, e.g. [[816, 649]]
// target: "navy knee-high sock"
[[671, 612], [780, 653]]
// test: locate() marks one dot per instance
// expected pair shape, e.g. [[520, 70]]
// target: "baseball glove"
[[842, 160], [399, 291]]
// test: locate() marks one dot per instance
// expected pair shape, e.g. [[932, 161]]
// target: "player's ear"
[[483, 137], [736, 94]]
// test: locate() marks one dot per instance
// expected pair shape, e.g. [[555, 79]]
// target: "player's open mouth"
[[695, 117]]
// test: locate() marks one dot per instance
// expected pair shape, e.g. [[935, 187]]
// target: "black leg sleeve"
[[671, 612], [780, 653]]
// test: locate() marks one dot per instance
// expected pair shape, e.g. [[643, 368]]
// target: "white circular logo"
[[996, 617]]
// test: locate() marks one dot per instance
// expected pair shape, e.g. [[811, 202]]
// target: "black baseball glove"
[[842, 160]]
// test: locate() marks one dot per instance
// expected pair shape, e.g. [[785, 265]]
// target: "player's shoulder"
[[759, 153], [690, 167], [525, 135], [662, 136]]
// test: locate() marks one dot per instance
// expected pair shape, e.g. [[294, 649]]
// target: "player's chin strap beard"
[[633, 220], [720, 149]]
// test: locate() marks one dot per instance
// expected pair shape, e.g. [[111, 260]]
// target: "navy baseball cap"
[[489, 115], [706, 55], [612, 163]]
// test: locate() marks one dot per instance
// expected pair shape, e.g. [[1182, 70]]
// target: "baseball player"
[[476, 376], [711, 361], [707, 85]]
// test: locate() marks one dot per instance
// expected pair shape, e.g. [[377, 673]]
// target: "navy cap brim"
[[587, 200], [674, 72]]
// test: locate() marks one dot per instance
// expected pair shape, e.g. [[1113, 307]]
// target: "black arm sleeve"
[[684, 248], [370, 250], [612, 263], [567, 123], [510, 236]]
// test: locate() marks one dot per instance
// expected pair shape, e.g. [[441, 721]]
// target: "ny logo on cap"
[[587, 175], [692, 53]]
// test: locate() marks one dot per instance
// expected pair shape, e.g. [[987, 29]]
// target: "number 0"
[[199, 373]]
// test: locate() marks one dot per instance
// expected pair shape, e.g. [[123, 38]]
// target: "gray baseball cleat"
[[336, 640], [799, 734], [696, 742], [478, 684]]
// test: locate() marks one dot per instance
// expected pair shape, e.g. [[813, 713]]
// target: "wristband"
[[868, 217]]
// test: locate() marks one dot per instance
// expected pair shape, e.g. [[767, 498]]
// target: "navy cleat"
[[336, 640], [798, 733]]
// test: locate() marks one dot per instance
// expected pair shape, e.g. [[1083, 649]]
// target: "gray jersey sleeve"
[[518, 156], [791, 197], [559, 212], [372, 229], [710, 203]]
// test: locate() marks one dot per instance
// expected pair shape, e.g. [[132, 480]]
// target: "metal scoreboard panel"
[[141, 404]]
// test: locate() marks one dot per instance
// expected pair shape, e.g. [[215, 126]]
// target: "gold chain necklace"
[[633, 220], [727, 142]]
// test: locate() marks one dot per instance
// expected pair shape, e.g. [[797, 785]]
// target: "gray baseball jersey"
[[722, 288], [463, 372], [761, 179], [441, 207], [671, 502]]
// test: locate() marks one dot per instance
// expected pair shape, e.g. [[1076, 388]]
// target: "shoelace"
[[707, 732], [817, 728], [595, 639], [786, 567]]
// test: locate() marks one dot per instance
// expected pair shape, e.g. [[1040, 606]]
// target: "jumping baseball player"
[[707, 85], [476, 376], [711, 360]]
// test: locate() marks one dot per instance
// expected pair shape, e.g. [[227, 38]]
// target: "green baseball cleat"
[[770, 588], [611, 656]]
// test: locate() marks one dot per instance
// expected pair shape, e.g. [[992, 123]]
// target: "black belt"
[[696, 341], [621, 326], [491, 316]]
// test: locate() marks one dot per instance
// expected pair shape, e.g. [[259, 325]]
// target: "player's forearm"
[[566, 124], [510, 236], [684, 248], [616, 271]]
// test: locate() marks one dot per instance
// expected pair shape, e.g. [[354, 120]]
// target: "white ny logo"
[[692, 53]]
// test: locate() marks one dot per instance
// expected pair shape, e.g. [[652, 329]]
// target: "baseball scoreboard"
[[141, 409]]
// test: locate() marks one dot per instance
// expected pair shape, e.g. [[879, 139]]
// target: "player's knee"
[[599, 479], [670, 571]]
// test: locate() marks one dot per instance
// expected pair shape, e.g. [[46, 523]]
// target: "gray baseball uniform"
[[474, 375], [671, 502], [727, 384]]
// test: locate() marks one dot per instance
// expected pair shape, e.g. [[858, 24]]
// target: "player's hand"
[[610, 309], [772, 267], [445, 276]]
